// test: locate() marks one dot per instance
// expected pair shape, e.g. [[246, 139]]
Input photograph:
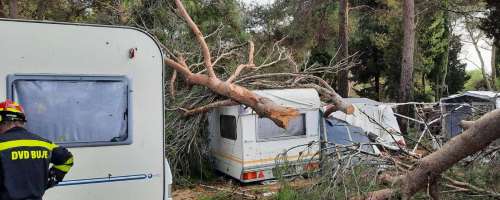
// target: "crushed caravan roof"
[[296, 98], [375, 117]]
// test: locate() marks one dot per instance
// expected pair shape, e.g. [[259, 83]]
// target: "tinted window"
[[228, 127], [75, 111], [340, 132], [268, 129]]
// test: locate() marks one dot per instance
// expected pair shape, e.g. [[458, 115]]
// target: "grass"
[[217, 196]]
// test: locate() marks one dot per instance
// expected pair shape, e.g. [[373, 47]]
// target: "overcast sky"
[[468, 54]]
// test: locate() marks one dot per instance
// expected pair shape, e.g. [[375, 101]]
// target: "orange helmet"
[[11, 111]]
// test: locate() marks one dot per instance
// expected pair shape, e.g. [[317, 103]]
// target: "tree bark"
[[478, 136], [13, 9], [41, 9], [406, 79], [343, 76], [377, 86], [493, 65], [406, 82], [2, 12]]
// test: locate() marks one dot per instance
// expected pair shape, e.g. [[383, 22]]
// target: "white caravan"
[[97, 90], [245, 145]]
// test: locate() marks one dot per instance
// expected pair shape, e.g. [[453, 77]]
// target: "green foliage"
[[476, 81], [349, 182], [287, 193], [456, 77], [433, 44], [483, 176], [491, 24], [379, 39]]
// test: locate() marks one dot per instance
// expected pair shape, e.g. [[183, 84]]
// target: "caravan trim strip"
[[263, 160], [105, 179]]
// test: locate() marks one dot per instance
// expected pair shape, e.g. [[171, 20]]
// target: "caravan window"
[[75, 110], [228, 127], [267, 129]]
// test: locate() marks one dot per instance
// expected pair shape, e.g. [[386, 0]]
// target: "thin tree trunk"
[[443, 88], [377, 86], [13, 8], [493, 66], [479, 135], [474, 42], [406, 81], [41, 9], [343, 79], [2, 12]]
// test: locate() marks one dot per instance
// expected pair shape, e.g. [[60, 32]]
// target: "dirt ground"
[[262, 190]]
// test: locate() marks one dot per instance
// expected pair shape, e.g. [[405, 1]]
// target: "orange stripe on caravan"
[[260, 161]]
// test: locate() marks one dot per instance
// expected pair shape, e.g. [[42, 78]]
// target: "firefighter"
[[29, 164]]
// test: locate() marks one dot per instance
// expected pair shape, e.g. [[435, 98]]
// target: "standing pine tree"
[[456, 77]]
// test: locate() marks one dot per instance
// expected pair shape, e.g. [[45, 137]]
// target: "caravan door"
[[98, 91]]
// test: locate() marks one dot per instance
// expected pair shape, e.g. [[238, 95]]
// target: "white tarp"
[[374, 118]]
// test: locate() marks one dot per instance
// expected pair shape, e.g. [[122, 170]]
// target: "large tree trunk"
[[406, 82], [406, 79], [343, 76], [13, 8], [426, 172]]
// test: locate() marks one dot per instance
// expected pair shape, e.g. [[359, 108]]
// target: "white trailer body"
[[97, 90], [245, 145]]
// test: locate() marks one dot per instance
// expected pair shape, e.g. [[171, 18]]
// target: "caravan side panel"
[[129, 171]]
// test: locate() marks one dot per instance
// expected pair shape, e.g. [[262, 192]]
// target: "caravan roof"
[[297, 98]]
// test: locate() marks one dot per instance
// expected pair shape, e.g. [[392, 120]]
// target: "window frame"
[[235, 127], [260, 139], [12, 78]]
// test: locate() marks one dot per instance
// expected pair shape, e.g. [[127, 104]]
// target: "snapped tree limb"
[[427, 170], [262, 106]]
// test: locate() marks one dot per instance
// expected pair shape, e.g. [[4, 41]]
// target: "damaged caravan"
[[371, 119], [245, 146]]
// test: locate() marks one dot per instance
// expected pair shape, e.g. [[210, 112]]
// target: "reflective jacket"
[[25, 165]]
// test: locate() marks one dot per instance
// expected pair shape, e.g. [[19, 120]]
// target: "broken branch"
[[243, 66], [466, 124], [477, 137], [199, 37], [206, 108]]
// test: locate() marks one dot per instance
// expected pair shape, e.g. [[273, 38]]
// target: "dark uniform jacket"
[[25, 171]]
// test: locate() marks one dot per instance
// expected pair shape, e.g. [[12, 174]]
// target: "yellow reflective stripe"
[[11, 110], [26, 143], [69, 161], [64, 168]]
